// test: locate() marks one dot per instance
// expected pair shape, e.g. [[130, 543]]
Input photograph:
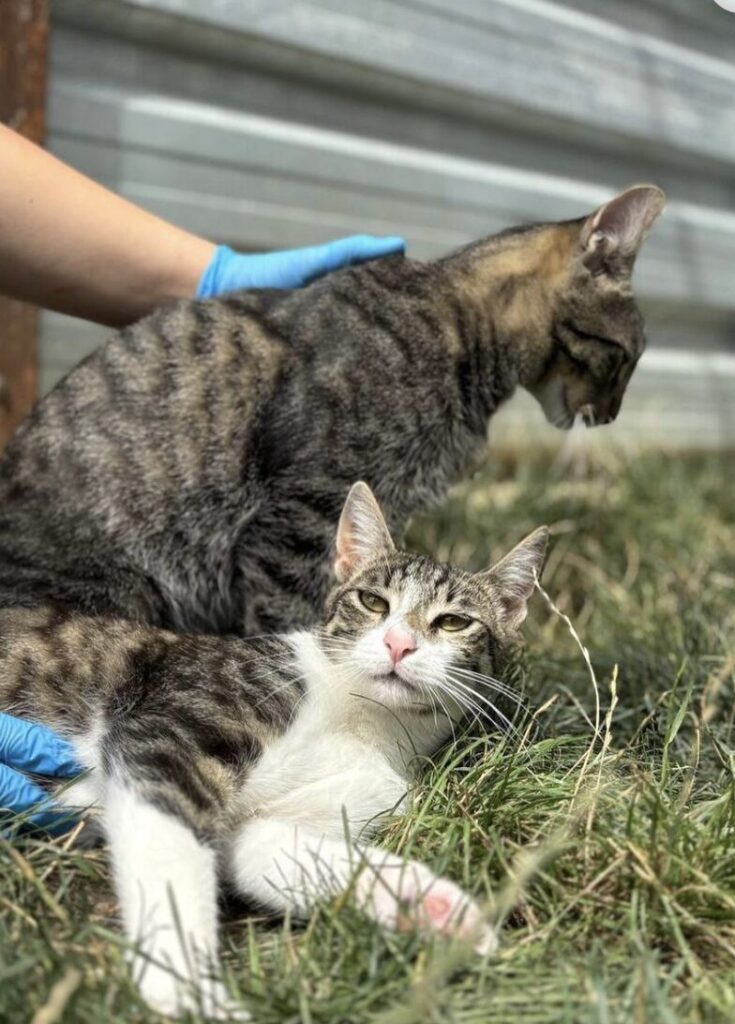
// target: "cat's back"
[[187, 370], [187, 432], [165, 401], [140, 452]]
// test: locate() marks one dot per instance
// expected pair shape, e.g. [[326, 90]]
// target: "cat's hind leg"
[[288, 868], [167, 885]]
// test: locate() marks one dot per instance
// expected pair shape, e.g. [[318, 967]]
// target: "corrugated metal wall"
[[269, 123]]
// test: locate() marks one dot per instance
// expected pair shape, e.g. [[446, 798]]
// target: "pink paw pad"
[[439, 909]]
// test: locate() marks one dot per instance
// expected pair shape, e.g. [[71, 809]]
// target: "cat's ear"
[[513, 578], [362, 534], [616, 231]]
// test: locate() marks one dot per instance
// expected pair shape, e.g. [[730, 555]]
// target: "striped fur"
[[185, 481], [189, 474], [225, 759], [188, 715], [185, 715]]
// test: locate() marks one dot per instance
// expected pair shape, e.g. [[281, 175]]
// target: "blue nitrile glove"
[[28, 747], [291, 268]]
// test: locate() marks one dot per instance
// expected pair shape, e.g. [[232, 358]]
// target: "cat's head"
[[408, 630], [597, 333], [560, 300]]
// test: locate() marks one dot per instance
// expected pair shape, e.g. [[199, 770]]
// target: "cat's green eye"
[[373, 602], [452, 623]]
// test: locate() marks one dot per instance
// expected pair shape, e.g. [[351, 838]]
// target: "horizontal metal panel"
[[104, 60], [546, 59], [157, 148], [703, 26]]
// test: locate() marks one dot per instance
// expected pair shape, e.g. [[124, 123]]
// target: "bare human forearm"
[[68, 244]]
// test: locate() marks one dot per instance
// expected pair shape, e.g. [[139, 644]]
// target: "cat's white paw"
[[172, 997], [407, 896]]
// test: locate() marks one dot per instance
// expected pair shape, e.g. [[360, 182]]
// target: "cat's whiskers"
[[461, 703], [465, 702], [478, 715], [285, 684], [474, 692], [340, 644], [465, 707], [336, 642], [297, 705], [493, 708], [448, 716], [350, 674], [489, 682], [468, 699], [433, 691], [497, 683], [482, 699]]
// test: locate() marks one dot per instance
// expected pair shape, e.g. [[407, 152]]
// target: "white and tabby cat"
[[223, 759]]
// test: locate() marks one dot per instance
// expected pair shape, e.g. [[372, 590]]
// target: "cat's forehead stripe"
[[409, 595]]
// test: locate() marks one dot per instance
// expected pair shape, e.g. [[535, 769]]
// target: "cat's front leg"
[[289, 868], [167, 886]]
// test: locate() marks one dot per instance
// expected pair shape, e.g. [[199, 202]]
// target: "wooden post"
[[23, 46]]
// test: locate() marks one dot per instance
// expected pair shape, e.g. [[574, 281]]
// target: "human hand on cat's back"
[[291, 268], [70, 245], [29, 747]]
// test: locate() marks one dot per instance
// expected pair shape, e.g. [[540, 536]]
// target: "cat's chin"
[[396, 690], [561, 418], [552, 398]]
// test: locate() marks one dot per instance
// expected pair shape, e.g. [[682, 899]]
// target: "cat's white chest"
[[326, 767]]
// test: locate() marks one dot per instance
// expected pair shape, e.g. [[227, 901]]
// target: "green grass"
[[609, 859]]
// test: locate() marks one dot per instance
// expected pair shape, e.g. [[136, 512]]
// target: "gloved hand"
[[26, 746], [291, 268]]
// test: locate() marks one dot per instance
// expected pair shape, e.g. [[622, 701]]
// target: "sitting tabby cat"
[[214, 756], [189, 474]]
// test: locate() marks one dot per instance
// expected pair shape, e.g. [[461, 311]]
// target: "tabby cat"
[[244, 760], [189, 474]]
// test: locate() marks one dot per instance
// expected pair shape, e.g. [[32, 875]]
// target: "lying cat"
[[189, 474], [240, 760]]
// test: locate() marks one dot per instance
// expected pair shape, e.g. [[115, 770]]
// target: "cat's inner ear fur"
[[513, 578], [362, 534], [616, 231]]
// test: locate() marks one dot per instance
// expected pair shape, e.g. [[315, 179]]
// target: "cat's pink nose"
[[399, 643]]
